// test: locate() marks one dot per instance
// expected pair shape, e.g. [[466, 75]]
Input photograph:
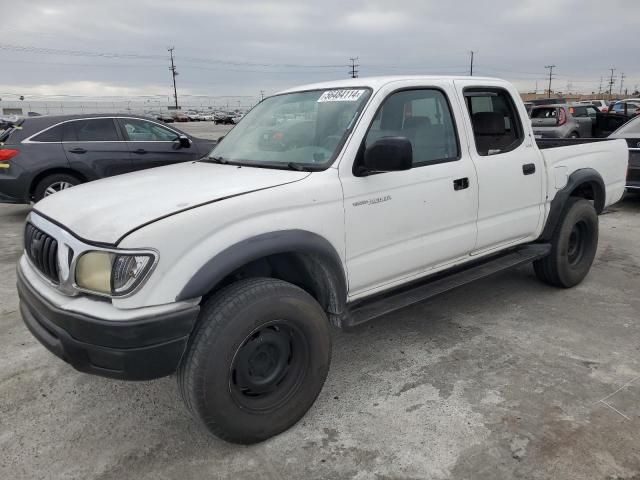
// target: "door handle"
[[529, 168], [140, 151], [78, 150], [461, 183]]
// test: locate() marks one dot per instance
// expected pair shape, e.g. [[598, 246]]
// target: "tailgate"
[[544, 122]]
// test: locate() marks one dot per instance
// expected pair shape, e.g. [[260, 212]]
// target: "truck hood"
[[106, 210]]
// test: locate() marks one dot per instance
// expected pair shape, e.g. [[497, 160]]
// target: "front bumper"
[[140, 349]]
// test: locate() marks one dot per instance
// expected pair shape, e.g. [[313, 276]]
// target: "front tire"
[[573, 246], [257, 360]]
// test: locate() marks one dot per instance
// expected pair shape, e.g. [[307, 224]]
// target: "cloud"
[[375, 21], [513, 40]]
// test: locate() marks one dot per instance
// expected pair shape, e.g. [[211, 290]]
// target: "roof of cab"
[[378, 82]]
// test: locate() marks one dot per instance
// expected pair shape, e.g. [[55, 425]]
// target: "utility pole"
[[611, 82], [622, 75], [471, 65], [354, 72], [550, 67], [600, 87], [173, 74], [261, 95]]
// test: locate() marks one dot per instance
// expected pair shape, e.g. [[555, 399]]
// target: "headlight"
[[113, 274]]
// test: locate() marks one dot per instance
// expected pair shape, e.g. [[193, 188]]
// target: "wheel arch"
[[300, 257], [53, 171], [584, 183]]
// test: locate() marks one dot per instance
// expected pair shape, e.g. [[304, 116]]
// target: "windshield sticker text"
[[340, 96]]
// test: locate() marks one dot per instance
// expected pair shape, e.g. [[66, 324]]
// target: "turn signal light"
[[7, 154]]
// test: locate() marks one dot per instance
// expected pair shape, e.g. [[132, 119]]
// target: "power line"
[[139, 56], [550, 67], [354, 72], [173, 74]]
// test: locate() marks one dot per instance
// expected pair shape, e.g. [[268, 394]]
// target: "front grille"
[[42, 250]]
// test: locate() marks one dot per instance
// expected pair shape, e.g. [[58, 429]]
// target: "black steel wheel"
[[257, 360], [573, 246]]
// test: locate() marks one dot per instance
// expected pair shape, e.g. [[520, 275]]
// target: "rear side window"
[[94, 130], [592, 111], [54, 134], [422, 116], [578, 111], [496, 124], [544, 113]]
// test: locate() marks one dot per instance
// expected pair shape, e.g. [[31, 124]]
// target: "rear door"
[[510, 168], [154, 145], [95, 147]]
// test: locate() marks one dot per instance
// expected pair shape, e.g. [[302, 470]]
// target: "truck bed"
[[608, 157]]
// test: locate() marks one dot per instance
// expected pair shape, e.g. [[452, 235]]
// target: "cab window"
[[496, 124], [424, 118]]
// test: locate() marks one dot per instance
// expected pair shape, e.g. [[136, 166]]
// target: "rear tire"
[[257, 360], [574, 135], [54, 183], [573, 246]]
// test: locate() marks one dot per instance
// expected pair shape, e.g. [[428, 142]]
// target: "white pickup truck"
[[327, 204]]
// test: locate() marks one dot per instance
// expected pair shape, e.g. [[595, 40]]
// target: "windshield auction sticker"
[[340, 96]]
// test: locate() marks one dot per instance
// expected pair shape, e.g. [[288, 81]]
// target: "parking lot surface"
[[208, 130], [505, 378]]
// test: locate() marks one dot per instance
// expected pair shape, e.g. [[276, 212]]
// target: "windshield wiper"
[[295, 166]]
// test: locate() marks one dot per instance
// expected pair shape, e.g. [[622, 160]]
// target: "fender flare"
[[558, 204], [284, 241]]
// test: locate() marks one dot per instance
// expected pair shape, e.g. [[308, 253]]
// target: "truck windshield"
[[300, 131]]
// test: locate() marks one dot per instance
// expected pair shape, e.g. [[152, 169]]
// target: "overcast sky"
[[241, 47]]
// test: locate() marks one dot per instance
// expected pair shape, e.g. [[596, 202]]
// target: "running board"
[[442, 282]]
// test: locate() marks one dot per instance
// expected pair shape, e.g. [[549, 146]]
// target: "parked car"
[[230, 270], [626, 107], [224, 119], [601, 105], [179, 117], [163, 117], [557, 121], [43, 155], [193, 116], [630, 132]]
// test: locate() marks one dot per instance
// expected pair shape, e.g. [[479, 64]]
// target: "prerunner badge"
[[340, 96]]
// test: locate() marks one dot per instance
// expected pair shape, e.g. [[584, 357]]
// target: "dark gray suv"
[[42, 155]]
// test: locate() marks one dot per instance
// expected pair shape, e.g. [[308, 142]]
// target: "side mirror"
[[183, 142], [388, 154]]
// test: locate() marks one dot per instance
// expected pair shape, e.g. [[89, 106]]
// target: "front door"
[[509, 166], [399, 225], [153, 145]]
